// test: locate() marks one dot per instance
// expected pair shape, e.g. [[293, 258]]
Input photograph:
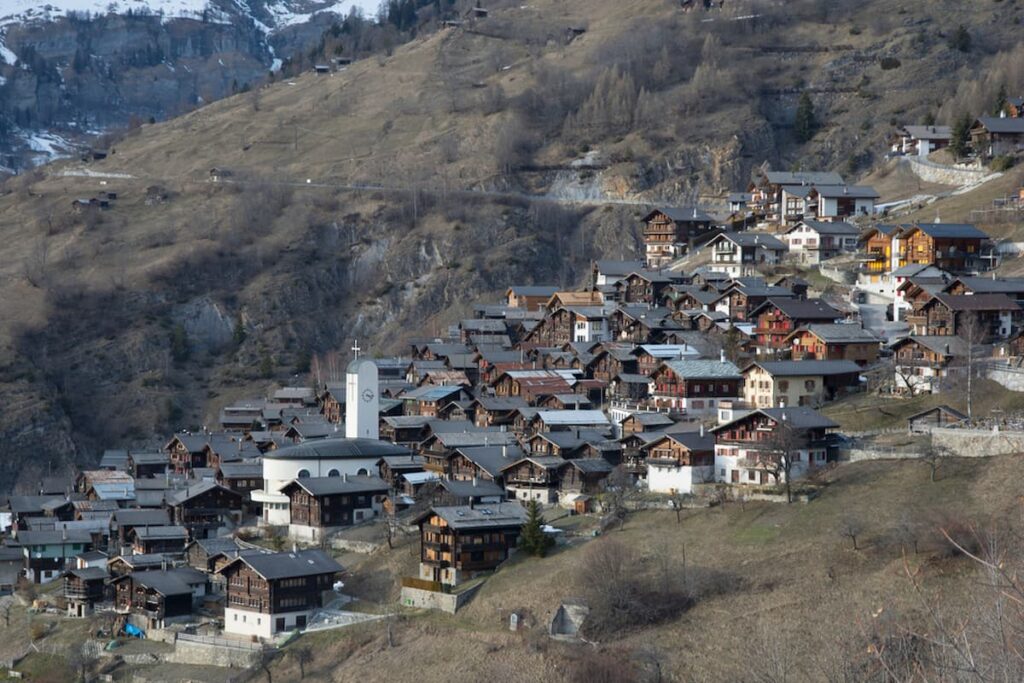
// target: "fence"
[[423, 584], [220, 642]]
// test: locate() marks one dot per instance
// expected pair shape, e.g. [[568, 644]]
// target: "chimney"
[[721, 355], [782, 404], [163, 564], [504, 450], [702, 429], [295, 548], [344, 477], [474, 480]]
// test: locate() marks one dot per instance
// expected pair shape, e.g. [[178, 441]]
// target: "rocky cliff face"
[[74, 75]]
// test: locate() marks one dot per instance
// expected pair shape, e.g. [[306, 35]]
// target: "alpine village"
[[791, 411]]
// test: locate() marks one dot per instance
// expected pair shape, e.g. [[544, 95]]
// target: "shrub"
[[890, 63], [1002, 163]]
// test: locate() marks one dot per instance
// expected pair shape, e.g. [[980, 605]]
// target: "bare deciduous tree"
[[851, 527], [780, 451]]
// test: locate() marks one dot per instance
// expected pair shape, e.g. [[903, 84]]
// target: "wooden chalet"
[[323, 504], [670, 232], [933, 418], [645, 422], [997, 315], [204, 508], [150, 540], [457, 542], [744, 447], [122, 522], [830, 341], [694, 386], [776, 319], [530, 297], [83, 588], [161, 596], [268, 593], [923, 363]]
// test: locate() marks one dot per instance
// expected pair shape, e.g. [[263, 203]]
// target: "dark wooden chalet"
[[204, 508], [456, 542]]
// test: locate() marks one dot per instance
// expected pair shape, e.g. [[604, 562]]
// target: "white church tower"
[[362, 404]]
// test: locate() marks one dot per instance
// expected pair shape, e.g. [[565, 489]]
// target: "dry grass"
[[792, 567]]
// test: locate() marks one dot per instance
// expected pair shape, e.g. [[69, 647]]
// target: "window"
[[303, 473], [362, 472], [783, 385], [809, 385], [333, 473]]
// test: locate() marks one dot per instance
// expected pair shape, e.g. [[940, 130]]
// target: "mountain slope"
[[383, 201]]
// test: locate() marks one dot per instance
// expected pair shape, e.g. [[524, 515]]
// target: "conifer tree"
[[532, 538], [804, 123]]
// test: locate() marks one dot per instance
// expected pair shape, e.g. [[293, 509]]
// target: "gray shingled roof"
[[150, 533], [332, 449], [327, 486], [286, 565], [701, 369], [494, 516], [802, 368], [840, 333]]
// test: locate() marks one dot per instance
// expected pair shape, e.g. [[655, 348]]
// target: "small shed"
[[568, 619], [322, 68], [939, 416]]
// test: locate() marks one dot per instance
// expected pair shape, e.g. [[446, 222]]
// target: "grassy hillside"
[[775, 579], [382, 201]]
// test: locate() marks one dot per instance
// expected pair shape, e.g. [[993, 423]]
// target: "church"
[[356, 454]]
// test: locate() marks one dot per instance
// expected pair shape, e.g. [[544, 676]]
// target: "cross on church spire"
[[356, 349]]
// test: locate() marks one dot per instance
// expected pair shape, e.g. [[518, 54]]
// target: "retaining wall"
[[931, 172], [445, 602], [209, 654]]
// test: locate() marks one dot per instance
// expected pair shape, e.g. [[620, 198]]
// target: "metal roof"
[[701, 368], [326, 486], [573, 417], [286, 565], [802, 368], [337, 449]]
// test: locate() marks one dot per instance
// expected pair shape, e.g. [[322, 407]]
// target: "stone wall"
[[931, 172], [445, 602], [187, 651], [1010, 378]]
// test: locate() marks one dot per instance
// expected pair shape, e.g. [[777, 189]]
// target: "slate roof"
[[134, 517], [802, 368], [929, 132], [855, 191], [952, 230], [803, 178], [496, 516], [682, 214], [491, 459], [801, 309], [533, 290], [327, 486], [829, 228], [985, 285], [472, 488], [999, 124], [839, 333], [613, 268], [53, 537], [753, 239], [182, 495], [149, 533], [691, 440], [590, 465], [242, 470], [800, 417], [168, 582], [334, 449], [700, 369], [286, 565], [942, 344], [572, 417], [977, 302]]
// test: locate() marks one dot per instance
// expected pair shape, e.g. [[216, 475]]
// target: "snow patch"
[[88, 173]]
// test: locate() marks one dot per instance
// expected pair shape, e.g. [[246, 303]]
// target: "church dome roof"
[[335, 449]]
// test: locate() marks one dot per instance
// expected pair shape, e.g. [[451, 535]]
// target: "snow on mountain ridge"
[[283, 13]]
